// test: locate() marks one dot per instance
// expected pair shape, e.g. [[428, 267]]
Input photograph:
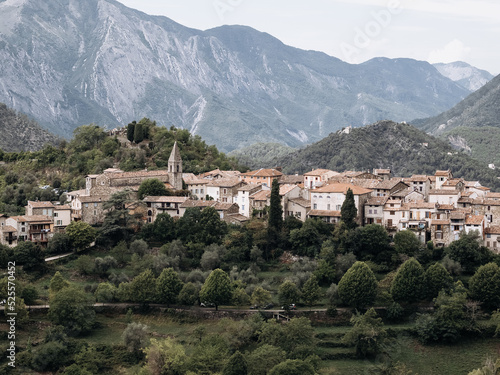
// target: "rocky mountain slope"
[[401, 147], [20, 133], [477, 110], [464, 74], [68, 63]]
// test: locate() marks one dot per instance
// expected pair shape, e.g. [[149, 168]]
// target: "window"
[[298, 214], [439, 227], [86, 205], [338, 207], [315, 206], [59, 222], [328, 207], [438, 216], [225, 191], [44, 211], [427, 214], [488, 235], [393, 213], [201, 191], [95, 204], [456, 227], [196, 191], [56, 214], [243, 207], [375, 211], [370, 212], [439, 236]]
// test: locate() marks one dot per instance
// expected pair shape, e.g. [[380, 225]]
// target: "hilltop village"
[[437, 208]]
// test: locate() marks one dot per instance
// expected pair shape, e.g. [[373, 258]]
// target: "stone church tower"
[[175, 168]]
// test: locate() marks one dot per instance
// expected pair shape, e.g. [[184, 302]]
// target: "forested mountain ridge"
[[20, 133], [403, 148], [101, 62]]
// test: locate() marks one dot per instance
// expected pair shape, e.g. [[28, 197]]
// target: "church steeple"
[[175, 168]]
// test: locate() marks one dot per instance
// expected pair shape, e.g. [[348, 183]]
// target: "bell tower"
[[175, 168]]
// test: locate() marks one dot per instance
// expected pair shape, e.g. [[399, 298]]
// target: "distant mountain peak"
[[464, 74]]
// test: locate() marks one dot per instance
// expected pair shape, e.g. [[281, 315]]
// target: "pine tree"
[[348, 211]]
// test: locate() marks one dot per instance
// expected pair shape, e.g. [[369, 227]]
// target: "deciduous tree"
[[358, 286], [408, 284], [168, 286], [217, 288]]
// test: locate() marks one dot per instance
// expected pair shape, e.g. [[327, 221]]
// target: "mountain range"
[[464, 74], [69, 63]]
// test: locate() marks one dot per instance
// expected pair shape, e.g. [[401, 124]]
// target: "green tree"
[[105, 292], [237, 365], [57, 283], [263, 358], [484, 285], [348, 211], [260, 296], [436, 278], [168, 286], [292, 367], [467, 250], [165, 357], [135, 337], [152, 187], [30, 256], [138, 133], [288, 293], [189, 294], [358, 286], [311, 292], [306, 241], [209, 356], [81, 235], [371, 242], [406, 242], [130, 131], [408, 284], [72, 308], [240, 297], [275, 220], [143, 287], [59, 243], [213, 229], [217, 288], [367, 334]]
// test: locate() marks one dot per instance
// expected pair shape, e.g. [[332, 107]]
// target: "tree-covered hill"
[[261, 155], [401, 147], [32, 175], [20, 133]]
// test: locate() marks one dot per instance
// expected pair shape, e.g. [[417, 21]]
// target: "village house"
[[384, 173], [35, 228], [388, 187], [163, 204], [243, 198], [441, 178], [298, 207], [443, 196], [374, 210], [224, 189], [60, 213], [261, 176], [420, 183], [317, 177], [329, 199], [492, 238]]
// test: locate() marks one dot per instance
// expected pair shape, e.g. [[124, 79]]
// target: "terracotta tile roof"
[[263, 173], [42, 204], [341, 188], [367, 183], [261, 195], [442, 173], [249, 187], [62, 207], [146, 174], [474, 220], [38, 218], [489, 202], [491, 195], [324, 213], [78, 192], [387, 184], [472, 183], [417, 178], [440, 222], [197, 181], [318, 172], [484, 188], [301, 202], [381, 171], [292, 179], [449, 207], [224, 182], [376, 201], [285, 189], [220, 206], [443, 192], [417, 205], [165, 199], [453, 182], [456, 215], [494, 229], [8, 229]]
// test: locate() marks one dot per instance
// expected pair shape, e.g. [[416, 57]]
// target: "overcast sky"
[[357, 30]]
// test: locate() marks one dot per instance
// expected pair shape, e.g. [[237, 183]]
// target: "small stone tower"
[[175, 168]]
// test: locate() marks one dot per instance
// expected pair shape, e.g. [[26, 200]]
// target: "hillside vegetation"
[[20, 133], [401, 147], [30, 175], [481, 143], [262, 155]]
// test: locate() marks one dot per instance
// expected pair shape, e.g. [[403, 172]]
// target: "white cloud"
[[456, 50]]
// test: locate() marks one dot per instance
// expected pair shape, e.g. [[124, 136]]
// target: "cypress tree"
[[138, 133], [275, 208], [348, 211], [130, 131]]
